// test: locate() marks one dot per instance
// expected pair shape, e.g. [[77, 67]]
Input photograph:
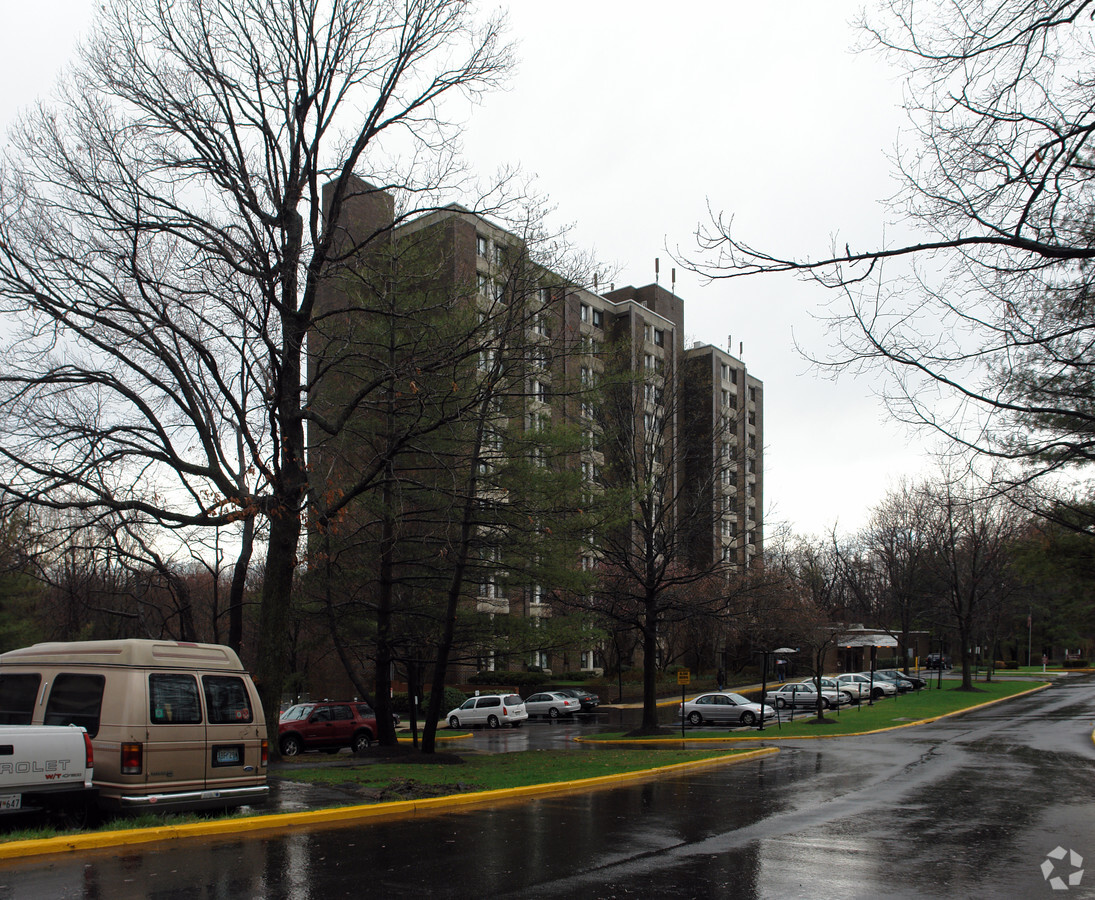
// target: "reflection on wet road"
[[965, 807]]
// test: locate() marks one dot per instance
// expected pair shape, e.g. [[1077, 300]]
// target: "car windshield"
[[300, 711]]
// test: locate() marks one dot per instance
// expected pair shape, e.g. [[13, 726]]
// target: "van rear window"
[[17, 695], [173, 700], [76, 700], [226, 699]]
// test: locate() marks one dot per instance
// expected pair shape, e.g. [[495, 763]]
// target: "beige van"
[[174, 725]]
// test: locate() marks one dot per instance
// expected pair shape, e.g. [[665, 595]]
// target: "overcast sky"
[[635, 116]]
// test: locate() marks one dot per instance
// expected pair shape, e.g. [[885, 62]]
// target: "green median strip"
[[908, 709], [428, 787]]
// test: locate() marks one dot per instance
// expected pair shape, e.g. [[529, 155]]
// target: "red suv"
[[326, 725]]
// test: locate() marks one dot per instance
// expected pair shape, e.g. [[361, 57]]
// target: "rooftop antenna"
[[657, 263], [741, 349], [673, 280], [595, 282], [730, 343]]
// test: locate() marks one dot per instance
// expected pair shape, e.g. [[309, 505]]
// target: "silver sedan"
[[803, 696], [723, 709]]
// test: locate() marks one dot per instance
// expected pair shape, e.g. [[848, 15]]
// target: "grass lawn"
[[888, 713], [486, 772]]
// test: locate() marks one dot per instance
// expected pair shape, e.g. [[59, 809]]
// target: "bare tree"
[[894, 582], [162, 245], [972, 533], [816, 575], [984, 326], [657, 563]]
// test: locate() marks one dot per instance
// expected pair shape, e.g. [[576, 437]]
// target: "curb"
[[815, 737], [344, 814]]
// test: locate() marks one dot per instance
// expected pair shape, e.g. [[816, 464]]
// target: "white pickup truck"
[[45, 767]]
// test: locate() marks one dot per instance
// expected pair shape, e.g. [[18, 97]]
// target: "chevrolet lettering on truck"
[[45, 768]]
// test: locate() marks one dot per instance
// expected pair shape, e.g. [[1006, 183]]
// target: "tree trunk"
[[239, 584], [650, 670], [277, 589]]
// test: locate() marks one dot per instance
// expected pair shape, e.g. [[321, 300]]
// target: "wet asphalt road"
[[967, 807]]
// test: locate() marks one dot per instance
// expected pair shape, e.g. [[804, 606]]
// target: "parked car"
[[326, 725], [587, 699], [902, 684], [492, 710], [877, 689], [552, 704], [916, 683], [803, 696], [831, 684], [937, 661], [723, 709]]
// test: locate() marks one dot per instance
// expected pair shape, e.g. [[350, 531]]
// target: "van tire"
[[291, 746], [492, 722], [454, 722], [362, 741]]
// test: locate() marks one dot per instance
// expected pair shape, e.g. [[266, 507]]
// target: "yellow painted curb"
[[342, 814], [758, 736]]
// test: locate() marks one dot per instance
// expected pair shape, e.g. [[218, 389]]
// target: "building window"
[[733, 376], [752, 418], [752, 395], [583, 312], [725, 372], [496, 257], [598, 318], [537, 595], [539, 390], [586, 376], [484, 284], [482, 246], [648, 362], [752, 442], [648, 334], [725, 398], [659, 337]]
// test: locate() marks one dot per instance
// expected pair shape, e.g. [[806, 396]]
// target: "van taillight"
[[505, 712], [89, 754], [265, 753], [131, 759]]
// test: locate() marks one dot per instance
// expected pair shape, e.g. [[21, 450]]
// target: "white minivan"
[[492, 710]]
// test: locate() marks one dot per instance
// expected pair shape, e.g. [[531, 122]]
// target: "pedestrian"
[[720, 678]]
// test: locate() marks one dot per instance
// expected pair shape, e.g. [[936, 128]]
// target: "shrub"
[[999, 664], [1012, 664], [1076, 664], [576, 676], [401, 702], [516, 679]]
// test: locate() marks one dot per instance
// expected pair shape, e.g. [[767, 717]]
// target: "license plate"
[[228, 756], [11, 801]]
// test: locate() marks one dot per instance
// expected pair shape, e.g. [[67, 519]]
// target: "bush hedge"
[[517, 679], [401, 701], [1076, 664]]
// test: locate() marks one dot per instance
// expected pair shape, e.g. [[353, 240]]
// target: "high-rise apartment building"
[[611, 364]]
